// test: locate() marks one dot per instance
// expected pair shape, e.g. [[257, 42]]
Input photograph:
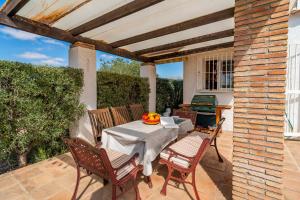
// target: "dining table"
[[146, 140]]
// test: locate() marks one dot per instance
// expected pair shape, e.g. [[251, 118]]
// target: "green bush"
[[37, 106], [169, 93], [117, 90], [177, 93]]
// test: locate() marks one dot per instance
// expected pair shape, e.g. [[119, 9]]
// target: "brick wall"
[[260, 51]]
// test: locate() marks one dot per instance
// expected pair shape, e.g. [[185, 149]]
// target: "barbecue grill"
[[205, 105]]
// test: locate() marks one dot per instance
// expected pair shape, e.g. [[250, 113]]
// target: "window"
[[211, 71], [226, 74], [216, 73]]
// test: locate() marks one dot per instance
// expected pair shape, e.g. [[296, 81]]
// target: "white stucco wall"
[[85, 59], [294, 29], [148, 70], [191, 65]]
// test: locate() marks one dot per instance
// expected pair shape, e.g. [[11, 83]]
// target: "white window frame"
[[201, 72]]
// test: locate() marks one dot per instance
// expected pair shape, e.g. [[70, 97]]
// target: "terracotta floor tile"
[[64, 195], [6, 182], [54, 179], [291, 195], [45, 191], [12, 193]]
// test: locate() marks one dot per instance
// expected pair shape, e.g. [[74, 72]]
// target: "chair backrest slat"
[[137, 111], [90, 158], [100, 119], [206, 144], [192, 115], [120, 115]]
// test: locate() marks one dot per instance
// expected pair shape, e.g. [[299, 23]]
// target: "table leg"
[[148, 181]]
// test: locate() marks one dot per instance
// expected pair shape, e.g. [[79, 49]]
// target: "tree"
[[121, 66]]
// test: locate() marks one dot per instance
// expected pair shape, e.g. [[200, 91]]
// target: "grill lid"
[[204, 103]]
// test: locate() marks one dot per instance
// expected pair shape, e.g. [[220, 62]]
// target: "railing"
[[292, 122]]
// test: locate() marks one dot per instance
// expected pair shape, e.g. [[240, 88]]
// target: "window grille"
[[215, 72]]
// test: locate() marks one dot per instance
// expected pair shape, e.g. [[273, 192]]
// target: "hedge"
[[37, 106], [169, 93], [116, 90]]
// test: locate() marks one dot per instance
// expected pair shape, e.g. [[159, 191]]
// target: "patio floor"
[[55, 179]]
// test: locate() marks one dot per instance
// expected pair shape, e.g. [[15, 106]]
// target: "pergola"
[[158, 31], [169, 29]]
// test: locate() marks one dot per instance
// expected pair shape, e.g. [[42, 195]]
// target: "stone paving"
[[55, 179]]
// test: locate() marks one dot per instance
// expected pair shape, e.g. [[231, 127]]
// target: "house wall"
[[293, 77], [193, 65]]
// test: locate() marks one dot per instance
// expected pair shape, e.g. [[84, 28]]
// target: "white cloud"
[[33, 55], [17, 34], [43, 59], [54, 42], [107, 56], [53, 61]]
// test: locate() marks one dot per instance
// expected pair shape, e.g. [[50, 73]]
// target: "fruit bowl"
[[151, 118]]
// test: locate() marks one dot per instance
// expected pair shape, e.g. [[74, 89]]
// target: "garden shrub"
[[169, 93], [118, 90], [37, 106]]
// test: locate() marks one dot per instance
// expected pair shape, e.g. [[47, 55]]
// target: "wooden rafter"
[[31, 26], [113, 15], [182, 43], [192, 51], [199, 21], [13, 6]]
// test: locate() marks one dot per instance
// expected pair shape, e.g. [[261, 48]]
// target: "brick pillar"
[[260, 51]]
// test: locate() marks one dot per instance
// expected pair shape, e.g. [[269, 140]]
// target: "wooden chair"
[[137, 111], [184, 156], [188, 114], [110, 165], [120, 115], [100, 119]]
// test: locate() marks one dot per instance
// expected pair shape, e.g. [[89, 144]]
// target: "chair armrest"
[[130, 160]]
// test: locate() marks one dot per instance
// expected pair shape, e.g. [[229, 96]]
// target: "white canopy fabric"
[[68, 15]]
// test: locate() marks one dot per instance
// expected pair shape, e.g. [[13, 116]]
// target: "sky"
[[16, 45]]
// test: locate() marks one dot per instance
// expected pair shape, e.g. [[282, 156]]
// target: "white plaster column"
[[83, 56], [148, 70], [189, 79]]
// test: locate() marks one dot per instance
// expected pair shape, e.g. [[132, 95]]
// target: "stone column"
[[148, 70], [189, 79], [83, 56], [260, 56]]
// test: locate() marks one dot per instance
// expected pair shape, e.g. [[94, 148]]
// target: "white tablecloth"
[[147, 140]]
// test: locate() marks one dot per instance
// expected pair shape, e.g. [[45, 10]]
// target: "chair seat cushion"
[[117, 159], [188, 146]]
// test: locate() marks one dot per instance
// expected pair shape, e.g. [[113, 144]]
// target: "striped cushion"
[[188, 146], [117, 159]]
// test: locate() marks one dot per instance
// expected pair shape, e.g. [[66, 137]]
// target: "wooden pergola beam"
[[13, 6], [199, 21], [192, 51], [182, 43], [31, 26], [113, 15]]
